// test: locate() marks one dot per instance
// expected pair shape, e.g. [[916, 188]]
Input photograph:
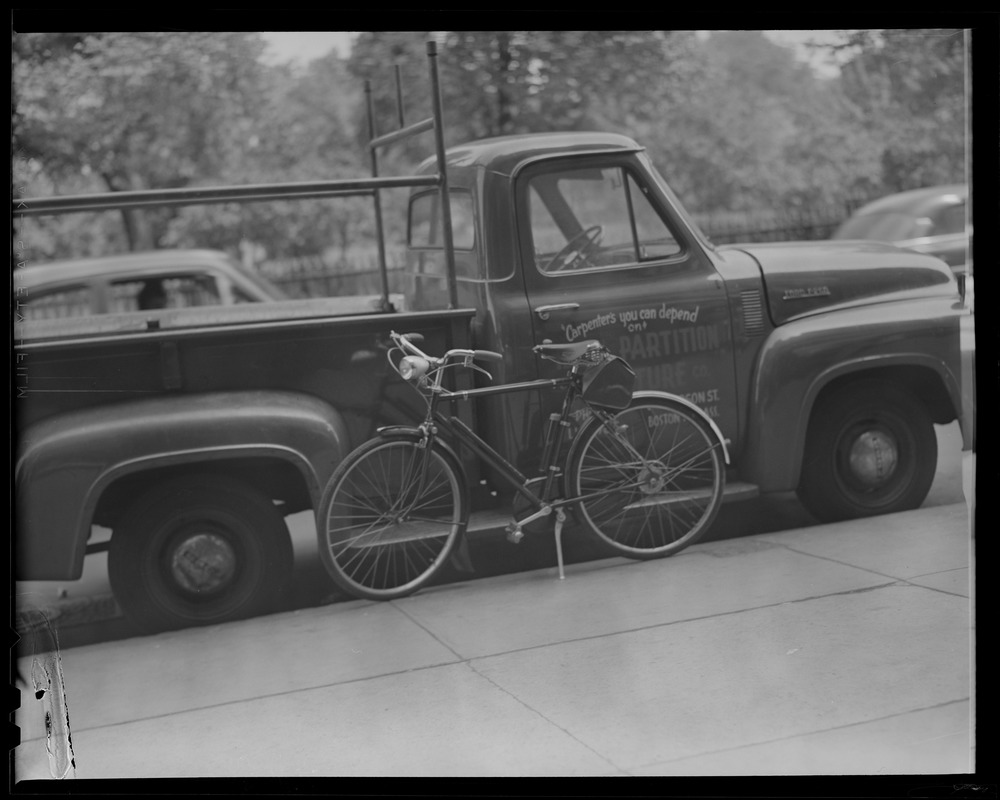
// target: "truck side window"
[[425, 221], [594, 217]]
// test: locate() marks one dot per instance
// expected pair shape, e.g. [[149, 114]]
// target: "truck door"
[[606, 257]]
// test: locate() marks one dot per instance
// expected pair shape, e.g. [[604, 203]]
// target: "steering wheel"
[[577, 250]]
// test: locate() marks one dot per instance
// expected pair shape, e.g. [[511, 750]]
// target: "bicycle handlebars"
[[406, 342]]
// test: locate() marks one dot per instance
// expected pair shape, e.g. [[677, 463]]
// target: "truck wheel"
[[197, 551], [870, 449]]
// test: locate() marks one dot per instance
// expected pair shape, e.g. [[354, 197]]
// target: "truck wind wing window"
[[594, 218]]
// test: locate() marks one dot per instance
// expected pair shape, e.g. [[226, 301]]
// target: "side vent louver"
[[753, 312]]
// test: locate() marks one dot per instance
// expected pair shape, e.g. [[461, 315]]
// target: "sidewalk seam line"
[[894, 579], [792, 737], [542, 716]]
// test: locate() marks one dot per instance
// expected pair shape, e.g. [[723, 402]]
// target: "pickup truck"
[[190, 433]]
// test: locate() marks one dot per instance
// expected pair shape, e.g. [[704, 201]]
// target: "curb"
[[78, 611]]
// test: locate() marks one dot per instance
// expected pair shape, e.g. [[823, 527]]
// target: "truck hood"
[[801, 278]]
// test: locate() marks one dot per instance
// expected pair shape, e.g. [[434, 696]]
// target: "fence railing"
[[801, 224]]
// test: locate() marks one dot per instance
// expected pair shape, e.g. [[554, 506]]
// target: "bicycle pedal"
[[514, 533]]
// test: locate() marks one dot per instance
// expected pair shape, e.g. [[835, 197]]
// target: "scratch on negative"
[[50, 690]]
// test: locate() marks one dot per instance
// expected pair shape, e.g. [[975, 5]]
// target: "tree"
[[130, 111], [301, 132], [907, 88]]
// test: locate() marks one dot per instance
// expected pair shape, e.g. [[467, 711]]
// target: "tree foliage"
[[733, 120], [906, 88]]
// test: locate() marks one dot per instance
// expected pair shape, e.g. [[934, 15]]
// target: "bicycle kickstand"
[[560, 519]]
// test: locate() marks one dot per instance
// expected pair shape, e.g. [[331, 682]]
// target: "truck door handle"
[[544, 311]]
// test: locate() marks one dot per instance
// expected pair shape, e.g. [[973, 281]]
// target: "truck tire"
[[198, 551], [870, 449]]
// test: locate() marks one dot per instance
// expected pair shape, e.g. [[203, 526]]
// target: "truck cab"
[[567, 236]]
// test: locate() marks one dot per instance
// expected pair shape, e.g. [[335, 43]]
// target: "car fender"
[[800, 359], [65, 463]]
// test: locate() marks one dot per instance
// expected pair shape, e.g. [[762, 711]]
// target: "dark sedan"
[[932, 220]]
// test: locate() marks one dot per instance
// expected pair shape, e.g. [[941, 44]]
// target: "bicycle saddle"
[[569, 353]]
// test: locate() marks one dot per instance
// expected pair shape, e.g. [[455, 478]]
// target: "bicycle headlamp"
[[413, 367]]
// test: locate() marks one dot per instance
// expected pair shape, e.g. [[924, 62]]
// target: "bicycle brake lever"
[[480, 369]]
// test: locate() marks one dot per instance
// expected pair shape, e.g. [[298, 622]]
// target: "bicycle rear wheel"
[[389, 519], [650, 478]]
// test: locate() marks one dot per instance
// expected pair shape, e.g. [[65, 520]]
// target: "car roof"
[[131, 265], [917, 202]]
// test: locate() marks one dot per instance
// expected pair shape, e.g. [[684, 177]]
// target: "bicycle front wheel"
[[649, 478], [390, 517]]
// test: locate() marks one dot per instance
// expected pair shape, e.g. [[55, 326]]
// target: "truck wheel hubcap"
[[203, 563], [873, 458]]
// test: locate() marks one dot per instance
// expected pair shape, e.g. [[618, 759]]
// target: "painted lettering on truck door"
[[604, 260]]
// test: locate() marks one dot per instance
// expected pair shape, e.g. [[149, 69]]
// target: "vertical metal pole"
[[376, 198], [399, 98], [449, 247]]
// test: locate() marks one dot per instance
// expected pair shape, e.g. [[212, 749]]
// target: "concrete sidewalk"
[[837, 649]]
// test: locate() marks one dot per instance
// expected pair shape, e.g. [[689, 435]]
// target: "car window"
[[586, 218], [950, 219], [884, 227], [69, 301], [166, 291]]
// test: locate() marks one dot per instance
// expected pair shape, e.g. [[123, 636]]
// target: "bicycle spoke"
[[391, 518], [649, 487]]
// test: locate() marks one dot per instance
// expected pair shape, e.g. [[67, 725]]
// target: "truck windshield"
[[594, 218]]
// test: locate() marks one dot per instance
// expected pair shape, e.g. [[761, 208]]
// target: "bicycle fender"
[[399, 430], [415, 433], [691, 407]]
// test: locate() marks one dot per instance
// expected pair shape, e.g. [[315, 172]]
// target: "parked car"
[[931, 220], [136, 282]]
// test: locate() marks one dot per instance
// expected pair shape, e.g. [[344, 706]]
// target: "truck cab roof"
[[504, 155]]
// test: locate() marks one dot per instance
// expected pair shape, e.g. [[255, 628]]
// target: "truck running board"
[[494, 521]]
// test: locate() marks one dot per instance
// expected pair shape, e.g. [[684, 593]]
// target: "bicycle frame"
[[546, 502]]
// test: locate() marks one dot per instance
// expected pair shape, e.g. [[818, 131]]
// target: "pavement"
[[843, 649]]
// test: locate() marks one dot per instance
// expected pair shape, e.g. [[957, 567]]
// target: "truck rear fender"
[[723, 442], [76, 467], [907, 343]]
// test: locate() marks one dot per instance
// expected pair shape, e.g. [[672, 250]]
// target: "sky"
[[303, 47]]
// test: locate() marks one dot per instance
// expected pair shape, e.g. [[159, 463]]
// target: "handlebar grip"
[[416, 338], [486, 355]]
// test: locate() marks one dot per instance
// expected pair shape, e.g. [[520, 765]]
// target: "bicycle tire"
[[655, 507], [377, 539]]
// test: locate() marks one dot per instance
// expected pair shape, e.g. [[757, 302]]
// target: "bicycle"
[[644, 473]]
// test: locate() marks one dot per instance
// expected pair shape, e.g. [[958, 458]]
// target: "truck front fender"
[[913, 342], [65, 463]]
